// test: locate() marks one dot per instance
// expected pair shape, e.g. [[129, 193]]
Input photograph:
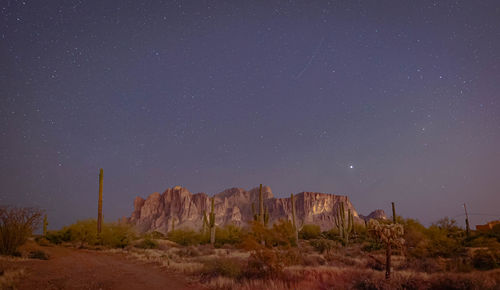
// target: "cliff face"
[[232, 206]]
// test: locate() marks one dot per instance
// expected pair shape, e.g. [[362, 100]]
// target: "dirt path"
[[81, 269]]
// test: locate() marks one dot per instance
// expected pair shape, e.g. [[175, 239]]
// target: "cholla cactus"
[[389, 234], [344, 222]]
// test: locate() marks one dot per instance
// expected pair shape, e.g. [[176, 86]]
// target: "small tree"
[[390, 235], [16, 225]]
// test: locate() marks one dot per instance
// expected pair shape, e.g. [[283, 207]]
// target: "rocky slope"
[[232, 206]]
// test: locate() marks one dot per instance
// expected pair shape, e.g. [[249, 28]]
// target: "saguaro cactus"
[[389, 234], [173, 224], [45, 224], [99, 204], [266, 216], [212, 223], [345, 223], [294, 223], [393, 213], [261, 205]]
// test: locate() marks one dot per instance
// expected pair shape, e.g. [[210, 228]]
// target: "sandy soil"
[[84, 269]]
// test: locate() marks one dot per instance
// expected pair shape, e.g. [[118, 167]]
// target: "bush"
[[264, 263], [116, 235], [484, 260], [157, 235], [147, 243], [16, 225], [323, 245], [57, 237], [310, 232], [228, 234], [223, 267], [186, 237], [83, 232], [41, 255]]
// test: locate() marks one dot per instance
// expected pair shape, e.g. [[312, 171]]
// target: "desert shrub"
[[281, 234], [444, 239], [372, 245], [229, 234], [116, 235], [427, 265], [42, 241], [310, 232], [147, 243], [16, 225], [157, 235], [82, 232], [323, 245], [38, 254], [185, 237], [484, 260], [190, 251], [264, 263], [57, 237], [462, 281], [223, 267], [313, 260]]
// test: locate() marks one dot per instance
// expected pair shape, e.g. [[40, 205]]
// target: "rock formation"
[[378, 214], [232, 206]]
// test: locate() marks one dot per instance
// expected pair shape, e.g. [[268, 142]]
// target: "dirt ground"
[[69, 268]]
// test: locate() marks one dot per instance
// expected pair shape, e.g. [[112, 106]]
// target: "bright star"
[[351, 166]]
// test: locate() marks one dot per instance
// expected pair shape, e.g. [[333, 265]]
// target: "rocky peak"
[[232, 206], [378, 214]]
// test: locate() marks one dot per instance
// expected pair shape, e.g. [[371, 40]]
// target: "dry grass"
[[9, 278], [340, 269]]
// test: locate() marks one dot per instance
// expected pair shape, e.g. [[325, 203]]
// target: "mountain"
[[232, 206], [378, 214]]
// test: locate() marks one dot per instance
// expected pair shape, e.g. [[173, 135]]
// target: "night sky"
[[379, 100]]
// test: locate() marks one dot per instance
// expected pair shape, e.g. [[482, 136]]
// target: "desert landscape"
[[249, 145], [177, 240]]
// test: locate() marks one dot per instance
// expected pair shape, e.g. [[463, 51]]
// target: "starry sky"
[[378, 100]]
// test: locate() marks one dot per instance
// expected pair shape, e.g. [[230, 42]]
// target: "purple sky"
[[211, 95]]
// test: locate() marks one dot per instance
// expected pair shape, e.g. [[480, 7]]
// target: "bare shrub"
[[16, 225], [38, 254], [225, 267]]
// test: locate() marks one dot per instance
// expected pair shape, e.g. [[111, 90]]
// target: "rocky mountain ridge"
[[232, 206]]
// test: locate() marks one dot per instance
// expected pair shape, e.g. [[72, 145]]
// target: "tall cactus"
[[45, 224], [261, 205], [266, 216], [294, 223], [393, 213], [212, 223], [99, 204], [344, 223], [173, 224], [389, 234]]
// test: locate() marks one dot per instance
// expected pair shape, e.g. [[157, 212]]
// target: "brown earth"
[[69, 268]]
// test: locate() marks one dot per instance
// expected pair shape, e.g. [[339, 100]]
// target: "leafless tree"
[[16, 226]]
